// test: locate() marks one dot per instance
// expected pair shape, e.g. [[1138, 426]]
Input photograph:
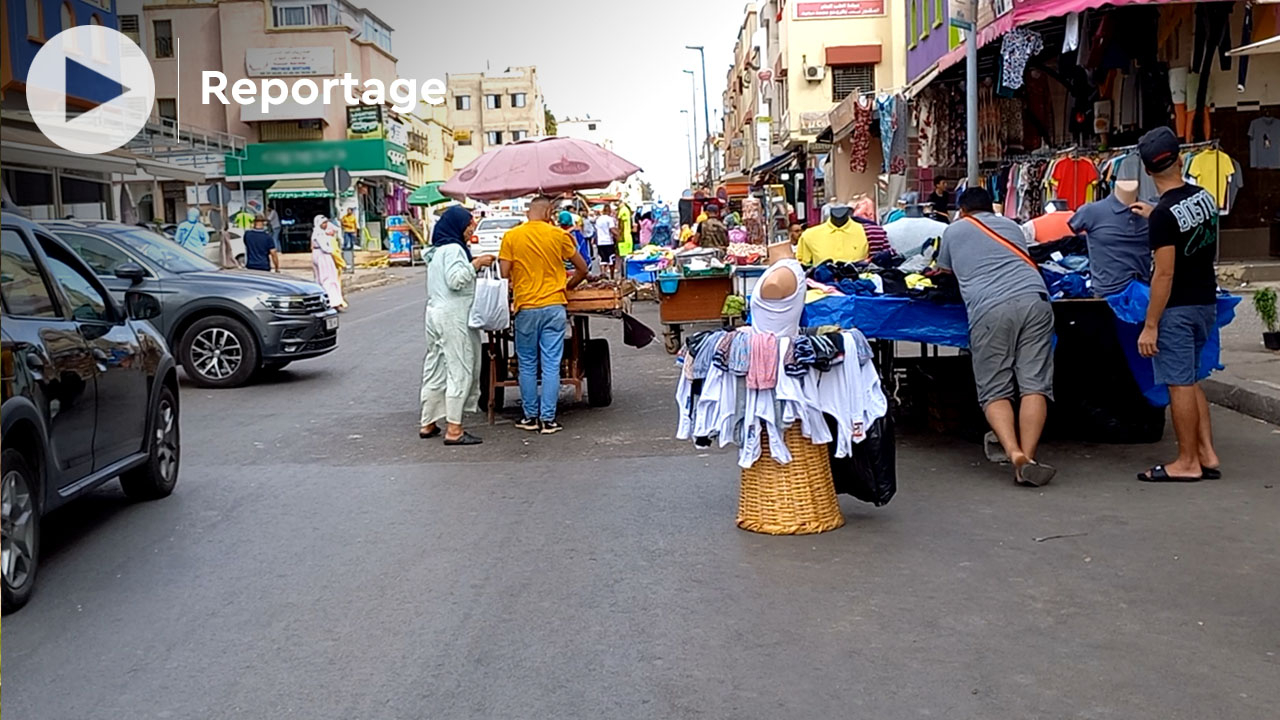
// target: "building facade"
[[742, 99], [489, 109], [585, 128], [431, 145]]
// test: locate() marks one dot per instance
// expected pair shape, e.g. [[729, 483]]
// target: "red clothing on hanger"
[[1072, 177]]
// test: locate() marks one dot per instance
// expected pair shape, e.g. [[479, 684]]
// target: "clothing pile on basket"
[[737, 383]]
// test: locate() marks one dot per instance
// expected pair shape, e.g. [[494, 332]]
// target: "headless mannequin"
[[1127, 191], [840, 215], [780, 285]]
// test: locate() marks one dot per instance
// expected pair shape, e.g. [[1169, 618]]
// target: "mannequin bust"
[[840, 215], [779, 285], [1127, 191], [913, 211]]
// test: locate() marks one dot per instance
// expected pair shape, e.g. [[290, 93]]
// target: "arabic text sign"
[[283, 62], [838, 9]]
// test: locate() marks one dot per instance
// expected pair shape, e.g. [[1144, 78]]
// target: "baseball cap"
[[565, 218], [1158, 149]]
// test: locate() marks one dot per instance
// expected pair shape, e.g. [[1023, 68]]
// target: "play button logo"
[[90, 89]]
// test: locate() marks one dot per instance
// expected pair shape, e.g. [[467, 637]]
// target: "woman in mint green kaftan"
[[451, 370]]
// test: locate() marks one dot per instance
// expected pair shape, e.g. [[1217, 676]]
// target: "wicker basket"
[[798, 498]]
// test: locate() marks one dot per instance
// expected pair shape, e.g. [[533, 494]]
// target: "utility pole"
[[689, 145], [693, 97], [706, 114]]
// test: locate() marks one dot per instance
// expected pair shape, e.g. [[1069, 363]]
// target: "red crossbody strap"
[[1013, 248]]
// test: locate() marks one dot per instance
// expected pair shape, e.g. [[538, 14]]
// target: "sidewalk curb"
[[1243, 400]]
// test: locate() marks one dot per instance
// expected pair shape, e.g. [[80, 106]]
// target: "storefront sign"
[[397, 133], [309, 156], [462, 136], [838, 9], [283, 62], [364, 122], [812, 123]]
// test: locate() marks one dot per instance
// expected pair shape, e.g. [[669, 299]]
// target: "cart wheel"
[[499, 393], [599, 373], [671, 338]]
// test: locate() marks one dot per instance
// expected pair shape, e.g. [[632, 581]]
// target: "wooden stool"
[[798, 498]]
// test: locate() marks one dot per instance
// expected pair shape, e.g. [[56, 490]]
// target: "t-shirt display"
[[1212, 170], [1187, 219], [1072, 178], [1264, 143]]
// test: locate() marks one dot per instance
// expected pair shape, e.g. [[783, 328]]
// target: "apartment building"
[[585, 128], [742, 99], [489, 109], [431, 145]]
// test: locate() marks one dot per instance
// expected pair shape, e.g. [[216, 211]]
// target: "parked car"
[[90, 393], [487, 238], [224, 326]]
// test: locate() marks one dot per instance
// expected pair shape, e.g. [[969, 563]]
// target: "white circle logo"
[[100, 63]]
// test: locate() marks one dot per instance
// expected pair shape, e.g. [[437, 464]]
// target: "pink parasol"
[[547, 166]]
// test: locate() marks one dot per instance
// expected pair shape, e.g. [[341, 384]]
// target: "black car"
[[223, 325], [90, 393]]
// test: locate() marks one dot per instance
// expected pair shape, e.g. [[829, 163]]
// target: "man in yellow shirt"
[[533, 257], [350, 225], [839, 239]]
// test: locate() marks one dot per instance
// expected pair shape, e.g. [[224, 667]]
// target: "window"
[[518, 100], [320, 15], [101, 256], [493, 137], [167, 109], [162, 30], [291, 16], [35, 20], [130, 29], [937, 13], [304, 13], [519, 135], [67, 20], [912, 10], [24, 290], [849, 79], [87, 304], [463, 138], [462, 102], [591, 126], [493, 102]]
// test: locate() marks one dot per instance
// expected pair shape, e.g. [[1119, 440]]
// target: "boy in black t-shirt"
[[260, 247], [1183, 309]]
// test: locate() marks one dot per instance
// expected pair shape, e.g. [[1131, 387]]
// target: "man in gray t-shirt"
[[1119, 247], [1010, 327]]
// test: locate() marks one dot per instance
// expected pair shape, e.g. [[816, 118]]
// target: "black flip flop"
[[1159, 474], [1034, 474], [429, 435], [466, 439], [1209, 473]]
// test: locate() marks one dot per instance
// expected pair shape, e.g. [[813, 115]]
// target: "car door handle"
[[35, 364], [102, 358]]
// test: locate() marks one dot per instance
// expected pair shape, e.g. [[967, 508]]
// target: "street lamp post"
[[706, 114], [693, 96], [689, 145]]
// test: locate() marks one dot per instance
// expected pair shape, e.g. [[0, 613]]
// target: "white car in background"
[[487, 238]]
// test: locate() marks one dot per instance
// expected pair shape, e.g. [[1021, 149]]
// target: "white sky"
[[619, 62]]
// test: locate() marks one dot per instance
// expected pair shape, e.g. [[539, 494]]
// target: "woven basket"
[[798, 498]]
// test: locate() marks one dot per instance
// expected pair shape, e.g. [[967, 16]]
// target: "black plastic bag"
[[870, 473]]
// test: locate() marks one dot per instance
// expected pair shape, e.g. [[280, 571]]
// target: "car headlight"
[[287, 304]]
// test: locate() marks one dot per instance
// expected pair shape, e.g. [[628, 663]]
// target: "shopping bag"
[[491, 310]]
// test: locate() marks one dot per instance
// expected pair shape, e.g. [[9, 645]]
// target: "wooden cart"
[[696, 301], [585, 366]]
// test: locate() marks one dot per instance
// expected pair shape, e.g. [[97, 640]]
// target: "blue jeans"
[[348, 241], [540, 331], [275, 237]]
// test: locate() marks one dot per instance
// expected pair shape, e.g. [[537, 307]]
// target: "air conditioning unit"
[[815, 73]]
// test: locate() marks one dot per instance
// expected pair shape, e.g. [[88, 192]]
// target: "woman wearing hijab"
[[451, 370], [323, 233]]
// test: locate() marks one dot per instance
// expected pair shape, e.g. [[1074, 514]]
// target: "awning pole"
[[971, 93]]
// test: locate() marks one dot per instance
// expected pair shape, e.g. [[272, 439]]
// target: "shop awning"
[[287, 110], [293, 189], [28, 147], [165, 171], [775, 163], [1262, 47]]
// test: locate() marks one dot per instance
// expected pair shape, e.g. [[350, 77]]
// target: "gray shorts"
[[1012, 347], [1183, 332]]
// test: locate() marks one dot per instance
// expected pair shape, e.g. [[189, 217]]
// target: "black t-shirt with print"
[[1187, 219]]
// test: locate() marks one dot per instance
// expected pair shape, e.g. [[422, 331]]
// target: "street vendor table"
[[1103, 390], [642, 270], [697, 300]]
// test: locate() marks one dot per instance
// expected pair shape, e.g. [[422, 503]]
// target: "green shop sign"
[[317, 156]]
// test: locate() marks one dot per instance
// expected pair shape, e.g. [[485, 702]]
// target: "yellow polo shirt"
[[537, 252], [828, 242]]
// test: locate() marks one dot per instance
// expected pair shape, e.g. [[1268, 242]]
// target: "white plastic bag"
[[491, 309]]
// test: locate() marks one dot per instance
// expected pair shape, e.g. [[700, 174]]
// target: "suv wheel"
[[218, 352], [156, 478], [20, 547]]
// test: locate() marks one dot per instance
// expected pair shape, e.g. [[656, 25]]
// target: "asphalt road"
[[318, 560]]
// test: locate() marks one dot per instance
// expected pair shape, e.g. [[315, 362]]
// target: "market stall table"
[[691, 300]]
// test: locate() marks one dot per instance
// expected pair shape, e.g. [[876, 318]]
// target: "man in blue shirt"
[[260, 248], [565, 220]]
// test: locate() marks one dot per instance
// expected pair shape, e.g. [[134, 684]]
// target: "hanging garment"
[[1019, 46], [1212, 169], [1264, 143], [898, 149], [888, 124], [1071, 179], [1246, 36], [1071, 39], [860, 141]]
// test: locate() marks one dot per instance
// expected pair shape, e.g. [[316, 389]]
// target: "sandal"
[[434, 432], [465, 439], [1034, 474], [1159, 474], [1209, 473]]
